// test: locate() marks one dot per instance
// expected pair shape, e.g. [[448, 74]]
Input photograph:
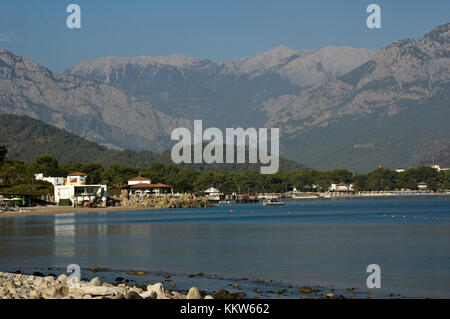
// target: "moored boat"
[[274, 201]]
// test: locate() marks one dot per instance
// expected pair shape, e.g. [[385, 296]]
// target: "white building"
[[76, 179], [213, 193], [341, 187], [141, 185], [54, 180], [422, 186], [139, 180], [438, 167], [79, 194]]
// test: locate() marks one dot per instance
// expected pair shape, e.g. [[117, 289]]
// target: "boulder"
[[49, 279], [10, 284], [193, 293], [97, 291], [38, 274], [133, 295], [149, 294], [158, 288], [305, 290], [62, 278], [58, 291], [177, 295], [96, 282], [34, 294], [224, 294]]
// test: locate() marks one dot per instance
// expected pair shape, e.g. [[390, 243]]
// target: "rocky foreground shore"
[[20, 286], [154, 201]]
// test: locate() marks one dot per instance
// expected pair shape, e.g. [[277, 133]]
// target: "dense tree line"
[[28, 138], [19, 176]]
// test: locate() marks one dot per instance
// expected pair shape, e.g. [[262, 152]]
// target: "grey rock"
[[133, 295], [149, 294]]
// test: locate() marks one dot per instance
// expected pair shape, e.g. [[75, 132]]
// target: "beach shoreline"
[[39, 286], [61, 210], [58, 210], [167, 285]]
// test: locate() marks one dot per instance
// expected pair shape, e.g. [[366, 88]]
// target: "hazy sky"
[[212, 29]]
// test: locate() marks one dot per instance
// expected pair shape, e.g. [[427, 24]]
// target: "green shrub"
[[65, 202]]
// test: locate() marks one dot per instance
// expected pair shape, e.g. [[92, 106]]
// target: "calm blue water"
[[315, 242]]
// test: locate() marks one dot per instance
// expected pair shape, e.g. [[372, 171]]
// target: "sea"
[[268, 252]]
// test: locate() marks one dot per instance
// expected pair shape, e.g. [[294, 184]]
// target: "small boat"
[[273, 202]]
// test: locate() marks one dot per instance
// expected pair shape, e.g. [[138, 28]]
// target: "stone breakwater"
[[154, 201], [19, 286]]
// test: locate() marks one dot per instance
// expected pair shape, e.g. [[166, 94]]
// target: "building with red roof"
[[141, 185]]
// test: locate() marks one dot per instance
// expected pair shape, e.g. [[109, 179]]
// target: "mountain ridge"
[[217, 91], [408, 76], [337, 107], [93, 110]]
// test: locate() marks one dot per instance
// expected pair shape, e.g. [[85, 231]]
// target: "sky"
[[212, 29]]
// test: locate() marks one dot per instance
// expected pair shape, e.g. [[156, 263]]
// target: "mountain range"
[[393, 110], [222, 94], [87, 108], [336, 107]]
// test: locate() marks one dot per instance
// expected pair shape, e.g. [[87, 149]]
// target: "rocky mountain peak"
[[279, 52], [440, 33]]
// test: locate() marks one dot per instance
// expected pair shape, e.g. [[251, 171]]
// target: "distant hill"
[[27, 138], [440, 157]]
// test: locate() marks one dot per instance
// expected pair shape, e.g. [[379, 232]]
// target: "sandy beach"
[[55, 210]]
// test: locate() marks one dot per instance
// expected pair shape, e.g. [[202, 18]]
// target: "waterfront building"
[[213, 193], [341, 187], [422, 186], [76, 179], [139, 180], [438, 168], [142, 185], [54, 180], [75, 192]]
